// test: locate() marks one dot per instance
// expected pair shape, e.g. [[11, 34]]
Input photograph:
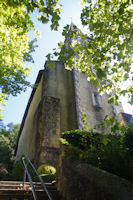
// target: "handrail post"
[[30, 179], [24, 178]]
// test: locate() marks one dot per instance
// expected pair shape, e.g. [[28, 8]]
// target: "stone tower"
[[55, 106]]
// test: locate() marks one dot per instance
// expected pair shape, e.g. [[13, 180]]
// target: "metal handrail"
[[40, 178], [30, 179]]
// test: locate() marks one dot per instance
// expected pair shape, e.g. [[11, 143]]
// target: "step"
[[22, 193], [27, 194], [17, 185], [26, 186], [14, 189], [21, 182]]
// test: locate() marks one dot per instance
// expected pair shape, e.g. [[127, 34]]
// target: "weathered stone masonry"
[[55, 106], [50, 111]]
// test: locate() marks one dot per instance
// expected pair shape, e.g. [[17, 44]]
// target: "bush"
[[129, 138], [18, 173], [109, 152], [47, 172]]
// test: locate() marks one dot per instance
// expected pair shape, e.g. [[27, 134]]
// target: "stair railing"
[[39, 177], [30, 179]]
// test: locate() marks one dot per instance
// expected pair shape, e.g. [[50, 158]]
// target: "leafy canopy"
[[8, 136], [15, 45], [105, 55]]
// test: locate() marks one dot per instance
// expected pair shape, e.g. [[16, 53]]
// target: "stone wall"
[[27, 139], [48, 132], [84, 102], [51, 111], [79, 181], [58, 83], [45, 134], [55, 106]]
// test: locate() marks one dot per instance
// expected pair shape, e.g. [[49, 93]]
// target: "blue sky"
[[14, 110]]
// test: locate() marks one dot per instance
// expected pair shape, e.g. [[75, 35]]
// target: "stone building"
[[55, 106]]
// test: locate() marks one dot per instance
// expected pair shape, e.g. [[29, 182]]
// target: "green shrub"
[[129, 138], [47, 178], [46, 169], [47, 172], [18, 173], [109, 152], [77, 138]]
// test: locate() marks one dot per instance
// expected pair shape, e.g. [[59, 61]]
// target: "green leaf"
[[16, 47], [82, 2], [104, 139], [94, 81], [50, 64], [101, 74]]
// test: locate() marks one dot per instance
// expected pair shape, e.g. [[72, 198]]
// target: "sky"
[[71, 9]]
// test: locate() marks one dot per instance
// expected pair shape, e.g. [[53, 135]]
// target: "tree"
[[15, 45], [8, 136], [105, 55]]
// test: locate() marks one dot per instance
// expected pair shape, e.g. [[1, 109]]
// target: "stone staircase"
[[13, 190]]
